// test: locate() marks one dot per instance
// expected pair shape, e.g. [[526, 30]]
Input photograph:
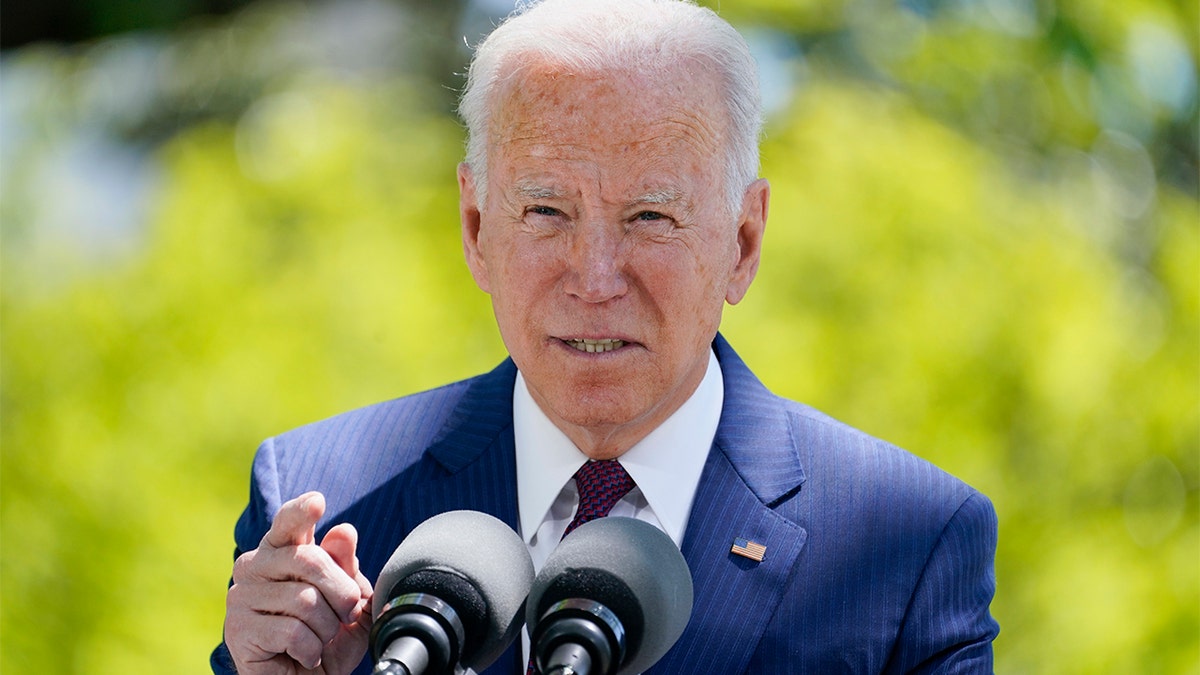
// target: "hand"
[[296, 607]]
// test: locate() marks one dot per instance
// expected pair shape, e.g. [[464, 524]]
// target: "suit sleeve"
[[948, 627], [251, 527]]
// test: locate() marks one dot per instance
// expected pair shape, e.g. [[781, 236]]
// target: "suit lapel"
[[472, 464], [752, 467]]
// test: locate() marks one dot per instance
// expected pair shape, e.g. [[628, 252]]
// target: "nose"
[[595, 267]]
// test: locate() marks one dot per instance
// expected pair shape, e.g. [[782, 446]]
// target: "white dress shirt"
[[666, 466]]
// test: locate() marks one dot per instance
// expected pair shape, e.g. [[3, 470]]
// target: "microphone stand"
[[581, 635], [570, 659]]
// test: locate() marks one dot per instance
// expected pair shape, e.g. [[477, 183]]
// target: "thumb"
[[295, 523], [340, 543]]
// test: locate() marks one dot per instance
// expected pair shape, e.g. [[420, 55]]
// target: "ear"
[[751, 223], [468, 213]]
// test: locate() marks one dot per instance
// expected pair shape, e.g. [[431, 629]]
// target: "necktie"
[[602, 483]]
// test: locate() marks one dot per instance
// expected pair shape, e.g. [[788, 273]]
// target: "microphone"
[[452, 594], [612, 598]]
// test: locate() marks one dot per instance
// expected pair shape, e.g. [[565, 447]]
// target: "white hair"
[[596, 35]]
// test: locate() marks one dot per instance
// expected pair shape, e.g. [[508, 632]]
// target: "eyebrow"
[[664, 196], [531, 190]]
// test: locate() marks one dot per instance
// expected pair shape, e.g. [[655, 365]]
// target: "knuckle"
[[296, 631], [234, 599], [309, 599], [310, 562], [302, 644], [243, 565]]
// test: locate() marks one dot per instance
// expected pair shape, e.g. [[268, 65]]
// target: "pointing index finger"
[[295, 523]]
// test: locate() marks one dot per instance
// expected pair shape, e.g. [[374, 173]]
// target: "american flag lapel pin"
[[748, 549]]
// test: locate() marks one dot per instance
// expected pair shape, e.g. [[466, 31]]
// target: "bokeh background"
[[224, 219]]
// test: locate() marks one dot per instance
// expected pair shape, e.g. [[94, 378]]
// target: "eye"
[[543, 211], [649, 216]]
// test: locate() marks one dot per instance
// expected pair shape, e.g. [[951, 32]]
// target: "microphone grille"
[[480, 549], [641, 558]]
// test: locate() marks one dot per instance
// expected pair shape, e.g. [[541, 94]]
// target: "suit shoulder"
[[405, 421], [853, 462], [347, 455]]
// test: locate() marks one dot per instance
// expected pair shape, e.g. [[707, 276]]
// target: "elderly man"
[[610, 207]]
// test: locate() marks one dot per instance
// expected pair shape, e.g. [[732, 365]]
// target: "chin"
[[608, 407]]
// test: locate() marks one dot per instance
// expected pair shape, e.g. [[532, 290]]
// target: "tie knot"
[[601, 483]]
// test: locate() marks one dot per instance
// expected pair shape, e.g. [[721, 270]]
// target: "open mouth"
[[596, 346]]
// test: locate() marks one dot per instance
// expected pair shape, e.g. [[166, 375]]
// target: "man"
[[610, 207]]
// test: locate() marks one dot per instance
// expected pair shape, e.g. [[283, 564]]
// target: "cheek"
[[529, 264], [684, 284], [521, 272], [711, 265]]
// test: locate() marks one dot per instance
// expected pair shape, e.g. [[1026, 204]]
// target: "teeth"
[[596, 346]]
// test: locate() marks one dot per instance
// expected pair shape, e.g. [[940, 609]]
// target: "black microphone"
[[451, 595], [611, 600]]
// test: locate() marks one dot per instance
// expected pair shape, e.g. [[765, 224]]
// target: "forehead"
[[549, 112]]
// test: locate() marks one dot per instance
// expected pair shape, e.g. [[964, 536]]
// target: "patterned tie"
[[602, 483]]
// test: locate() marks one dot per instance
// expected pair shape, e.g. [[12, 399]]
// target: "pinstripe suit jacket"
[[876, 561]]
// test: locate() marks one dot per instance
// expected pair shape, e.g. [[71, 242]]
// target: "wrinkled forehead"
[[542, 101]]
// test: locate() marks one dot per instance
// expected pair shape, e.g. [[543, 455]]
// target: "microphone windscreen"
[[621, 560], [480, 549]]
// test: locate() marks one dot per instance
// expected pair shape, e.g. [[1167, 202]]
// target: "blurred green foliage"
[[984, 245]]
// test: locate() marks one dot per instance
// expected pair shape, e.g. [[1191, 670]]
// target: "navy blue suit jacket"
[[876, 561]]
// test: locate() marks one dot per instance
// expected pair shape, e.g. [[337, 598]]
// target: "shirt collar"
[[666, 464]]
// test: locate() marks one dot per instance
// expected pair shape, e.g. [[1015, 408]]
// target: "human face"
[[607, 243]]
